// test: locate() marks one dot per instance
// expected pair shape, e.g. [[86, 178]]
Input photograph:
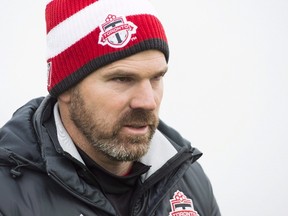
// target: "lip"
[[135, 130]]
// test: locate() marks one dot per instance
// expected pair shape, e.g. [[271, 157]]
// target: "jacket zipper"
[[179, 159]]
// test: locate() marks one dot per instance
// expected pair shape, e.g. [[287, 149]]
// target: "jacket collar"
[[160, 151]]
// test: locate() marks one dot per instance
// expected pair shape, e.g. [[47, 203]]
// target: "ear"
[[65, 97]]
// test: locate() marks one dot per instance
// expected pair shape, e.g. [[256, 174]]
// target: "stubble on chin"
[[106, 137], [125, 147]]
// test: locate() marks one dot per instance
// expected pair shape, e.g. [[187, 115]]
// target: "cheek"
[[108, 107], [104, 103]]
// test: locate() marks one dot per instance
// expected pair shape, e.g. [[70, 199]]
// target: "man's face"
[[116, 107]]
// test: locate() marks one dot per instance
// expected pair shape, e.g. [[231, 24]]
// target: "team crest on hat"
[[181, 205], [116, 31]]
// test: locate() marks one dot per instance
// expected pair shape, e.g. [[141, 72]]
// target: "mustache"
[[137, 117]]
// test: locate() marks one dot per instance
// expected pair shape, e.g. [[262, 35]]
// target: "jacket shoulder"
[[18, 136]]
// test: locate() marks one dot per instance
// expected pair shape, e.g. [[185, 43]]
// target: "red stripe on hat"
[[87, 49], [57, 11]]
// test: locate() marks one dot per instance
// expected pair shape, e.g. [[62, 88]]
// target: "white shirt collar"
[[64, 138]]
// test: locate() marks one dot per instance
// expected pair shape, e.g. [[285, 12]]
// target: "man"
[[95, 145]]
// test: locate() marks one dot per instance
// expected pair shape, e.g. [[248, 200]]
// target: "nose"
[[144, 97]]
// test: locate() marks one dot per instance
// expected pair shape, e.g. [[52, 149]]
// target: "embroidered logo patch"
[[181, 205], [116, 31]]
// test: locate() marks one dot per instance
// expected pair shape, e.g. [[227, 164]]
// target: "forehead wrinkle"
[[136, 66]]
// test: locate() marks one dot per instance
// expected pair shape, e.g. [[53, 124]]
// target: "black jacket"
[[39, 179]]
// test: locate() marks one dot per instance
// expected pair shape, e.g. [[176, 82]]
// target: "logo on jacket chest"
[[181, 205]]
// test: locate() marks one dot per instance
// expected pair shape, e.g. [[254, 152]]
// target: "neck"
[[119, 168]]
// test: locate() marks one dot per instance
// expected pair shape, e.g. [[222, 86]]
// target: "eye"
[[122, 79], [158, 77]]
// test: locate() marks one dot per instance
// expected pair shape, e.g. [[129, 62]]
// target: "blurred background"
[[226, 90]]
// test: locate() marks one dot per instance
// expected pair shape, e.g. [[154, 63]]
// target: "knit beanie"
[[84, 35]]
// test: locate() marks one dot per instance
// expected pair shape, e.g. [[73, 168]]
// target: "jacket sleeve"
[[200, 187], [215, 211]]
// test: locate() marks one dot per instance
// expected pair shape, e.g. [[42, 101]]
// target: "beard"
[[106, 137]]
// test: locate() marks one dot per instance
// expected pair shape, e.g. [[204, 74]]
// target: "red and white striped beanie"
[[84, 35]]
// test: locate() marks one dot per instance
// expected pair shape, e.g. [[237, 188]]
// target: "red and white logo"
[[116, 31], [181, 205]]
